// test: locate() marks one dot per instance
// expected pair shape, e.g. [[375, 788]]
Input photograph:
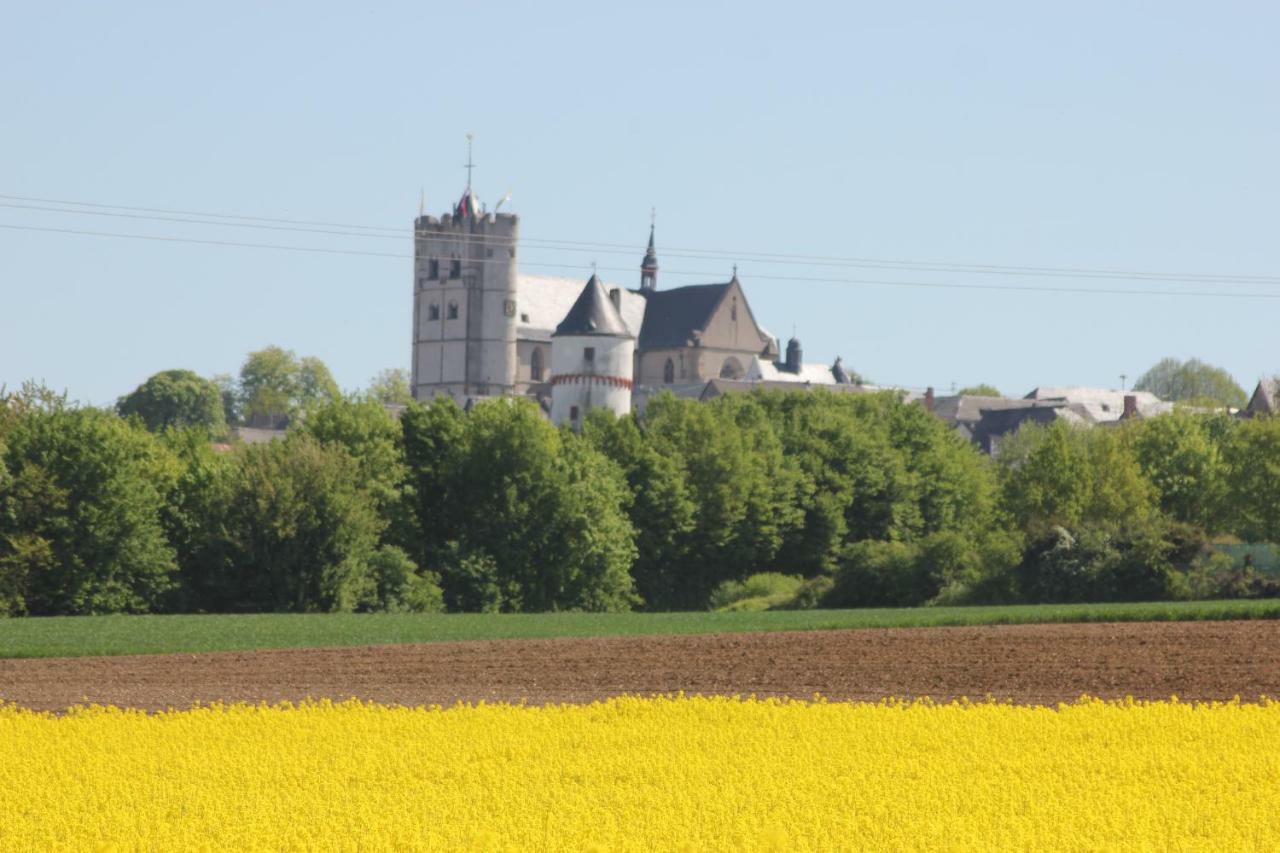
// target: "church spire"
[[649, 266]]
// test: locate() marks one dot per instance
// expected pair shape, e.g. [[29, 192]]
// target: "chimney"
[[615, 296], [1130, 407], [928, 399]]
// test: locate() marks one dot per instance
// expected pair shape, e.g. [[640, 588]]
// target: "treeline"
[[749, 501]]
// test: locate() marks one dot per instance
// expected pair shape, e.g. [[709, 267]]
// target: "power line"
[[766, 277], [688, 253]]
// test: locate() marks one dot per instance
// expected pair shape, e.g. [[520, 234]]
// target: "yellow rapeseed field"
[[645, 774]]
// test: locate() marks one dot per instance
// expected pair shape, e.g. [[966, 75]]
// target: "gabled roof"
[[968, 408], [593, 314], [672, 316], [1266, 398], [767, 371]]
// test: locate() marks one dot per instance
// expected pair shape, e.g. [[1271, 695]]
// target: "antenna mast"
[[470, 165]]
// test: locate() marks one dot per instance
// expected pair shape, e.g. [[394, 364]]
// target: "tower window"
[[573, 413], [433, 312], [535, 366], [453, 310], [669, 372], [589, 355], [433, 269], [733, 310], [455, 268]]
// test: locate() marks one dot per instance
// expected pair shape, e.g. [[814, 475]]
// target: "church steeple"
[[649, 266]]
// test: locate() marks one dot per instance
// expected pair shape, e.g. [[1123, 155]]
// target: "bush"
[[765, 590], [401, 589]]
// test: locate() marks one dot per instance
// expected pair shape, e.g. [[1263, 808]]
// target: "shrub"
[[766, 590]]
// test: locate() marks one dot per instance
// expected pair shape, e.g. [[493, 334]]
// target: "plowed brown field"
[[1024, 663]]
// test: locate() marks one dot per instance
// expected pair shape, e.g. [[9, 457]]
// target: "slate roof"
[[1266, 398], [593, 314], [672, 316], [545, 300], [767, 371], [968, 408], [1102, 404]]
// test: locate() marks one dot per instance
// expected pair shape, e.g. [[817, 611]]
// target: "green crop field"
[[121, 635]]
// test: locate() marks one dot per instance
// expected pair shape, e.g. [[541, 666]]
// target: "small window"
[[453, 310], [524, 318], [535, 366], [589, 355], [669, 372], [433, 312], [422, 282], [455, 268], [433, 269], [573, 413], [733, 310]]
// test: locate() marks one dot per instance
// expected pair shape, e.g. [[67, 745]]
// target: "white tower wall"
[[603, 381]]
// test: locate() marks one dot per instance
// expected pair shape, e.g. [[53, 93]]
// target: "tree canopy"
[[1192, 381], [176, 399], [982, 390], [275, 386]]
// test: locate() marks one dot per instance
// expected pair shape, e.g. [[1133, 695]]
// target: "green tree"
[[80, 515], [275, 386], [515, 514], [662, 510], [390, 386], [176, 398], [302, 531], [1070, 477], [981, 390], [1252, 457], [374, 439], [1182, 461], [1191, 381]]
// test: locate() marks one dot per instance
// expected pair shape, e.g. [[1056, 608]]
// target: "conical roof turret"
[[593, 314]]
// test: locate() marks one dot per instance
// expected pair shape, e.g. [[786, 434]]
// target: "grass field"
[[70, 636]]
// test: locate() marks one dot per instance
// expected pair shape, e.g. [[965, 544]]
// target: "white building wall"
[[603, 382]]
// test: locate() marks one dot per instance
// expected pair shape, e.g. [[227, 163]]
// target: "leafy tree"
[[80, 528], [1192, 380], [195, 519], [176, 398], [302, 531], [662, 510], [1252, 457], [981, 390], [739, 483], [391, 386], [1064, 476], [516, 514], [230, 397], [275, 386], [374, 439], [1182, 461]]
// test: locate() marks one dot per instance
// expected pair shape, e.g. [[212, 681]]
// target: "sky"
[[1087, 135]]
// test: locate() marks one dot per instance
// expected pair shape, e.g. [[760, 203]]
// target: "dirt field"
[[1025, 663]]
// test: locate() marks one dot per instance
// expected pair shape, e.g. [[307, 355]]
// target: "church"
[[482, 328]]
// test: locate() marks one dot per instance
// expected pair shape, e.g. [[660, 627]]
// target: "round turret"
[[592, 358]]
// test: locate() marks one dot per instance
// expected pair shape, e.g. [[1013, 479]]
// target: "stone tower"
[[592, 355], [464, 301]]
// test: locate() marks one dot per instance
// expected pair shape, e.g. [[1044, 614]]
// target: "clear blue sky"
[[1122, 135]]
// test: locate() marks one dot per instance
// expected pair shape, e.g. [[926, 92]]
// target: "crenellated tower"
[[464, 299]]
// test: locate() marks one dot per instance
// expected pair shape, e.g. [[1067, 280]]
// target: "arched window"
[[453, 310], [433, 311], [669, 372], [535, 366], [731, 369]]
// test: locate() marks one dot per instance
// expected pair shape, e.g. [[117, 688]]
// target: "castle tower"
[[649, 267], [592, 354], [464, 301]]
